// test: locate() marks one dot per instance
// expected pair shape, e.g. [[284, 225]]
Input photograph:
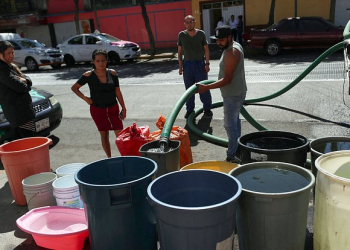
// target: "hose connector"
[[163, 142]]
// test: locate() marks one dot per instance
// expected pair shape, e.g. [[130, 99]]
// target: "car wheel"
[[69, 60], [113, 58], [31, 64], [56, 66], [273, 47]]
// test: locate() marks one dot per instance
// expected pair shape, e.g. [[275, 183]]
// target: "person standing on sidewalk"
[[15, 99], [240, 29], [233, 26], [105, 95], [232, 84], [193, 56]]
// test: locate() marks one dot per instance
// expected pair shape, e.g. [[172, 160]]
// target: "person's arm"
[[232, 58], [179, 58], [118, 92], [120, 98], [207, 56], [76, 89], [13, 81]]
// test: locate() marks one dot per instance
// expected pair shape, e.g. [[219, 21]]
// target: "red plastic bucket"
[[23, 158]]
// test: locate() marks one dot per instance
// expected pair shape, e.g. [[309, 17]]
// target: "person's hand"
[[88, 100], [201, 88], [122, 114], [207, 68], [180, 70], [23, 80]]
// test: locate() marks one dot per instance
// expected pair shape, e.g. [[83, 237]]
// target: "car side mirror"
[[98, 42], [347, 61]]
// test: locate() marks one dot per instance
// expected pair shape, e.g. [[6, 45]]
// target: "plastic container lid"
[[56, 227]]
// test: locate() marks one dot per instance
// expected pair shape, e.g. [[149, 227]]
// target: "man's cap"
[[222, 32]]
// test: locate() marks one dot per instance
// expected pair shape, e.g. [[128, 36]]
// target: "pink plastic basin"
[[56, 227]]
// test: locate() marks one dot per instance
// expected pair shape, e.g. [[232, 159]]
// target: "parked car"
[[296, 33], [8, 36], [79, 48], [48, 115], [32, 54]]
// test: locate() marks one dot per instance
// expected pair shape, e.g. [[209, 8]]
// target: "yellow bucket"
[[220, 166]]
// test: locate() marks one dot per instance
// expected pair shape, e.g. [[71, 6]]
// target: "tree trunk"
[[272, 13], [148, 27], [332, 11], [76, 16]]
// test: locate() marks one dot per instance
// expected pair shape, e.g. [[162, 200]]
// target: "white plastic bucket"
[[332, 203], [37, 189], [66, 192], [69, 169]]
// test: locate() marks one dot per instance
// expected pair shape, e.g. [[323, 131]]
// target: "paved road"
[[315, 108]]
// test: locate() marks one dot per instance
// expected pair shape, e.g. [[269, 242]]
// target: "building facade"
[[53, 21]]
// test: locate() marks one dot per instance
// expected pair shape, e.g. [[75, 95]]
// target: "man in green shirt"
[[193, 56]]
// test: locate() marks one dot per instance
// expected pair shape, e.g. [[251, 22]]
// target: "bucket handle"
[[120, 198], [32, 198]]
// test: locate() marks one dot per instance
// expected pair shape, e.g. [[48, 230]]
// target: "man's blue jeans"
[[193, 72], [232, 123]]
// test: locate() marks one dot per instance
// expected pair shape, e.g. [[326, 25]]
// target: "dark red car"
[[296, 33]]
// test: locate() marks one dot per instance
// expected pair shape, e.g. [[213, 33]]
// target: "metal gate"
[[211, 12]]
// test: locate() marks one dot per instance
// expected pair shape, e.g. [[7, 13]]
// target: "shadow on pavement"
[[342, 124], [202, 124], [10, 212]]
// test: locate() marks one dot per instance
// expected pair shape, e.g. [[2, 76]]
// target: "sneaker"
[[233, 160], [188, 114], [208, 113]]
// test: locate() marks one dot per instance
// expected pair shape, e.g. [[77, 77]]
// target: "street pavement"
[[324, 114]]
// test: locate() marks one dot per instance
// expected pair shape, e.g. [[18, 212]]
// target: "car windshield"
[[30, 43], [108, 37]]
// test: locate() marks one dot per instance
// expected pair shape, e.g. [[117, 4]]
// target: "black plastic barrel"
[[325, 145], [195, 209], [167, 160], [278, 146], [114, 193]]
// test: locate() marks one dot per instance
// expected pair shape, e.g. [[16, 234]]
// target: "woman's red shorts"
[[106, 118]]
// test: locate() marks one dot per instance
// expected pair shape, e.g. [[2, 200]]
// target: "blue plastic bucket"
[[195, 209], [114, 193]]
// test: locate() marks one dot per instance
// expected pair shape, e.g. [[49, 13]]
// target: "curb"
[[163, 55]]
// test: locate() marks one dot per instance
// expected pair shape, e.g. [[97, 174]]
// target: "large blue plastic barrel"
[[114, 193], [195, 209]]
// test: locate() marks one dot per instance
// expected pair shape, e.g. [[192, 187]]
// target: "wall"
[[257, 11], [166, 21]]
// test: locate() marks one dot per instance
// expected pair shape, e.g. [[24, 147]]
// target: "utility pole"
[[97, 22]]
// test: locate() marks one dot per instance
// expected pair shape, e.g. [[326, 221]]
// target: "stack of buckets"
[[27, 165], [23, 158], [50, 189]]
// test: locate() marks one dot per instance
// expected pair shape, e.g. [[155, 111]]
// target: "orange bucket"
[[23, 158], [220, 166]]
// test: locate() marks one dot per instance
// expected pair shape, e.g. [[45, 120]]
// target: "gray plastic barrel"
[[195, 209], [114, 193], [167, 161], [279, 146], [273, 207]]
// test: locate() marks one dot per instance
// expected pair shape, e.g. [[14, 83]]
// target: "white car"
[[79, 48], [32, 54]]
